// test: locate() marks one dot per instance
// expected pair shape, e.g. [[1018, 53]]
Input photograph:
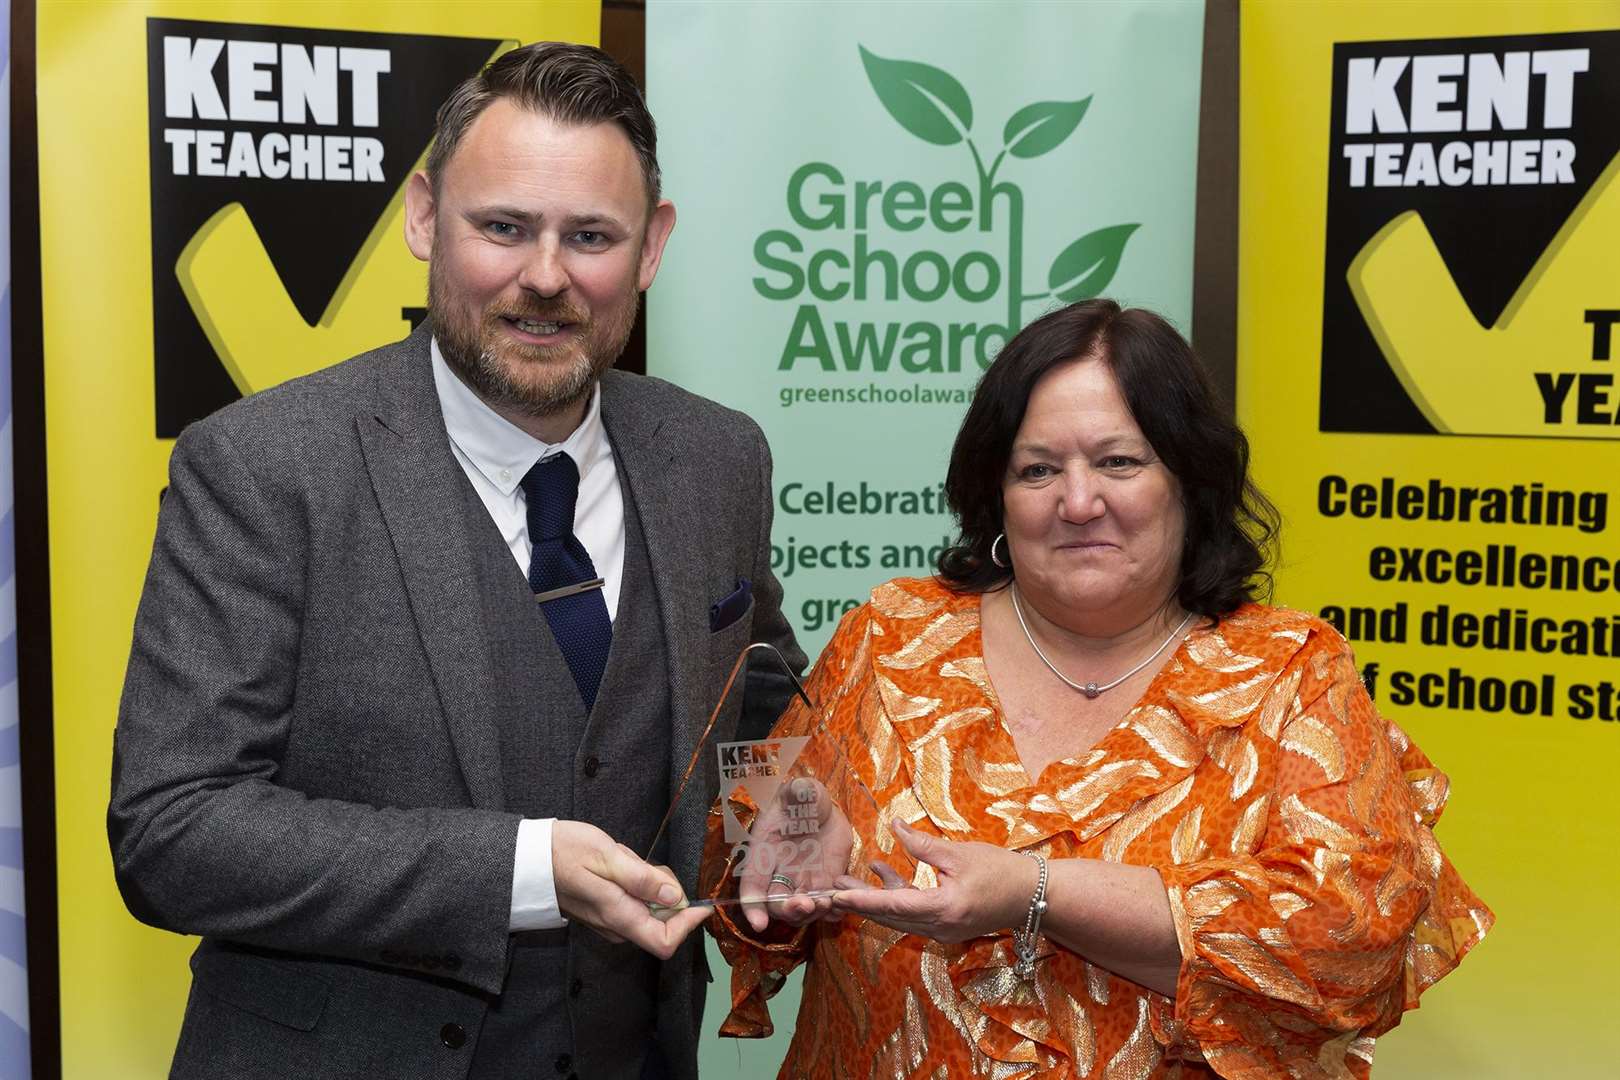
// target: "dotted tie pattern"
[[580, 622]]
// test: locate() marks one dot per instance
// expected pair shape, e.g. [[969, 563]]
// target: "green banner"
[[872, 199]]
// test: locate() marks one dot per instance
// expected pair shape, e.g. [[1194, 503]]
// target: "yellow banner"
[[1428, 308], [221, 189]]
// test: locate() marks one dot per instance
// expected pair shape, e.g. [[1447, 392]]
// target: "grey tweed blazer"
[[306, 768]]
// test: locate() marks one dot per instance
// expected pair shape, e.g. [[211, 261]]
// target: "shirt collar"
[[500, 450]]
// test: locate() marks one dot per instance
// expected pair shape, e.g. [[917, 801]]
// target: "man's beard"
[[534, 380]]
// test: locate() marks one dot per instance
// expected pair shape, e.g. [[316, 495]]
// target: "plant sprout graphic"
[[935, 107]]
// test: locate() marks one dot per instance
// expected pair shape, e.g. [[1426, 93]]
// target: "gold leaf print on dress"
[[1207, 899], [1288, 904], [1428, 853], [1251, 826], [902, 1053], [1395, 884], [883, 744], [1354, 967], [1211, 652], [973, 670], [1090, 791], [994, 778], [1307, 824], [1025, 1050], [1275, 938], [1071, 1021], [1248, 767], [1222, 745], [893, 602], [1431, 962], [1098, 825], [944, 631], [876, 941], [933, 785], [1361, 794], [1167, 735], [1186, 845], [836, 970], [902, 706], [1281, 703], [1336, 870], [1141, 818], [1397, 739], [991, 986], [858, 663], [1137, 1059], [1096, 983], [936, 981], [1264, 971], [973, 714], [1310, 738], [1226, 704], [1010, 811], [1429, 788], [1330, 1058]]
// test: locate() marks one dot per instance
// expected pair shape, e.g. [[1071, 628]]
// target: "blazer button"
[[564, 1063], [592, 765], [453, 1035]]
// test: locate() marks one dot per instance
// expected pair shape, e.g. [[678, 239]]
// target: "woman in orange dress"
[[1143, 825]]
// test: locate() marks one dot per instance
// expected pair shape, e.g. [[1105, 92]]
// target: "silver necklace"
[[1090, 689]]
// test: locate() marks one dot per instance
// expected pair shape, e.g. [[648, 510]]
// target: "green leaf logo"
[[1084, 268], [926, 101], [1037, 128]]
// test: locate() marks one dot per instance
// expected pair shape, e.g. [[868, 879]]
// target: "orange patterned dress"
[[1290, 822]]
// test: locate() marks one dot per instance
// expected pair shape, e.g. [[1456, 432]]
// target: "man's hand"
[[607, 887]]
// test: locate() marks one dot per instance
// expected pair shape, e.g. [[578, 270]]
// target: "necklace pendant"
[[1091, 690]]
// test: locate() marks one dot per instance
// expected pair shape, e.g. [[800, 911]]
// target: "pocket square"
[[728, 609]]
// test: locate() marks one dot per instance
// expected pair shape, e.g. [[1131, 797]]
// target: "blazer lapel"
[[418, 486], [669, 500]]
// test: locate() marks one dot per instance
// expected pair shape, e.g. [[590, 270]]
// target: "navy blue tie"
[[579, 622]]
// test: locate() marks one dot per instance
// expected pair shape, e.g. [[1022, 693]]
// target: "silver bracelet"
[[1024, 940]]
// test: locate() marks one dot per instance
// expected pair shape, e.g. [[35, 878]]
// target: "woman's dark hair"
[[1231, 526]]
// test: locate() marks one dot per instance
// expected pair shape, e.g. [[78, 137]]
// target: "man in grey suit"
[[430, 636]]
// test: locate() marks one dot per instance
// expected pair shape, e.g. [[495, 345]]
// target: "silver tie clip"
[[568, 590]]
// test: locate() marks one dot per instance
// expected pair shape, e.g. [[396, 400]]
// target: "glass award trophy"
[[795, 812]]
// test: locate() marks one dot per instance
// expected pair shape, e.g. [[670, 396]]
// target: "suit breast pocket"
[[726, 642]]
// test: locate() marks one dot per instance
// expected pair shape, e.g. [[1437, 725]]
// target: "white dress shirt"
[[496, 454]]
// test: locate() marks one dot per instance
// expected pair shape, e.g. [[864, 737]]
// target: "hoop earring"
[[1000, 537]]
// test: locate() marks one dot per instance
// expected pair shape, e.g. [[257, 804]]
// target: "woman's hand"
[[801, 836], [982, 889]]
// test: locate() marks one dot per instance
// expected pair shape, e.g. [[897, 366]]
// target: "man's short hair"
[[572, 84]]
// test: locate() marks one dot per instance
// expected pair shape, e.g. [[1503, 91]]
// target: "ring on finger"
[[783, 879]]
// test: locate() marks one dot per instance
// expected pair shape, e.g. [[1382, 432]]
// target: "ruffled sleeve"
[[760, 963], [1297, 952]]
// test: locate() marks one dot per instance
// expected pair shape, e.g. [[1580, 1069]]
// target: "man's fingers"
[[653, 884], [660, 937]]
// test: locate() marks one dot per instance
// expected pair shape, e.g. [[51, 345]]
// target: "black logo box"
[[312, 229], [1489, 236]]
